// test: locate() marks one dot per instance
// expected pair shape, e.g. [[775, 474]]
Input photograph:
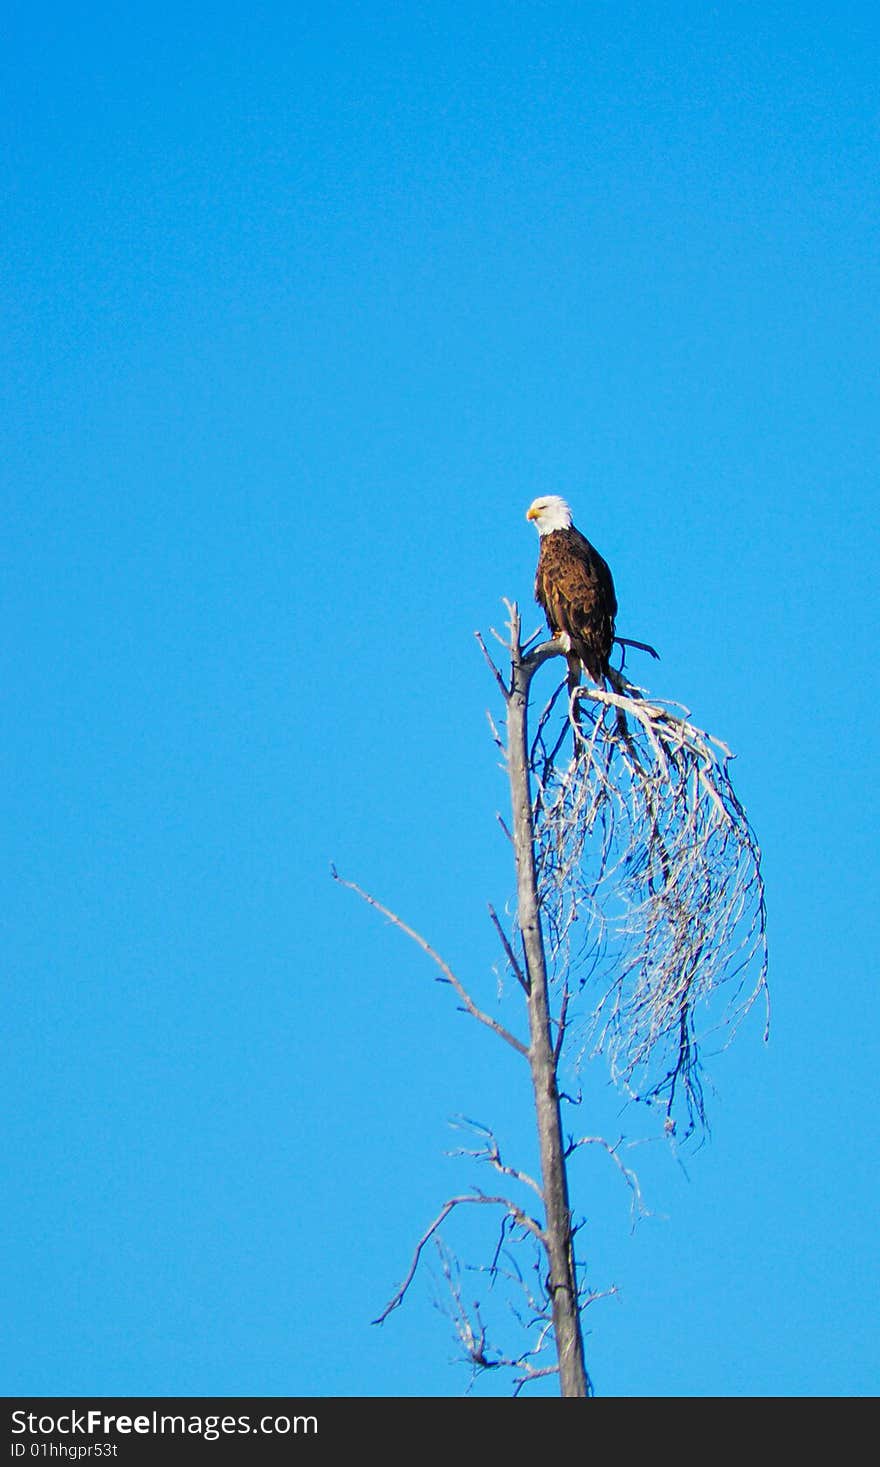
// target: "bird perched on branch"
[[574, 586]]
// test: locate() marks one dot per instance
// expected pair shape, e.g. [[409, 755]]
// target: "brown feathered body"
[[574, 586]]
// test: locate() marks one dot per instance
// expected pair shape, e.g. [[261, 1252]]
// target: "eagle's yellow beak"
[[531, 513]]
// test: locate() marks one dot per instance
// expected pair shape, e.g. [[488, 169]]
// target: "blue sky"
[[302, 306]]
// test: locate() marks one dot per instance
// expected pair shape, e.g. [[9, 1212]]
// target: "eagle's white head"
[[549, 513]]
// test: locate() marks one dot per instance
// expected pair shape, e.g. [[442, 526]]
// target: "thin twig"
[[629, 1176], [511, 955], [494, 669], [642, 646], [477, 1198], [444, 967], [491, 1152]]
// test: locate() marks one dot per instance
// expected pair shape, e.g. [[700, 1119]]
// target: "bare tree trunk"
[[562, 1282], [677, 848]]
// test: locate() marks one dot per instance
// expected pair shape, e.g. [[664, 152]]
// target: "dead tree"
[[639, 928]]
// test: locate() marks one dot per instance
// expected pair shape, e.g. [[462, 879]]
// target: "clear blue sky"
[[303, 304]]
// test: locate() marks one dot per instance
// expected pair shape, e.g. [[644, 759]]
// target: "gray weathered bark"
[[558, 1241]]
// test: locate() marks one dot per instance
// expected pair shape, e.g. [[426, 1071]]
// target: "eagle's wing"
[[575, 587]]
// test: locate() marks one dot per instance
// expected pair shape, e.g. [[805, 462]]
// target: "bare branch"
[[495, 733], [541, 654], [511, 955], [491, 1152], [560, 1024], [629, 1176], [530, 1373], [474, 1198], [493, 667], [504, 826], [650, 883], [642, 646], [444, 967], [539, 631], [472, 1332]]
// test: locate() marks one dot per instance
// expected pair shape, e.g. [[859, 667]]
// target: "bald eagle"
[[574, 586]]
